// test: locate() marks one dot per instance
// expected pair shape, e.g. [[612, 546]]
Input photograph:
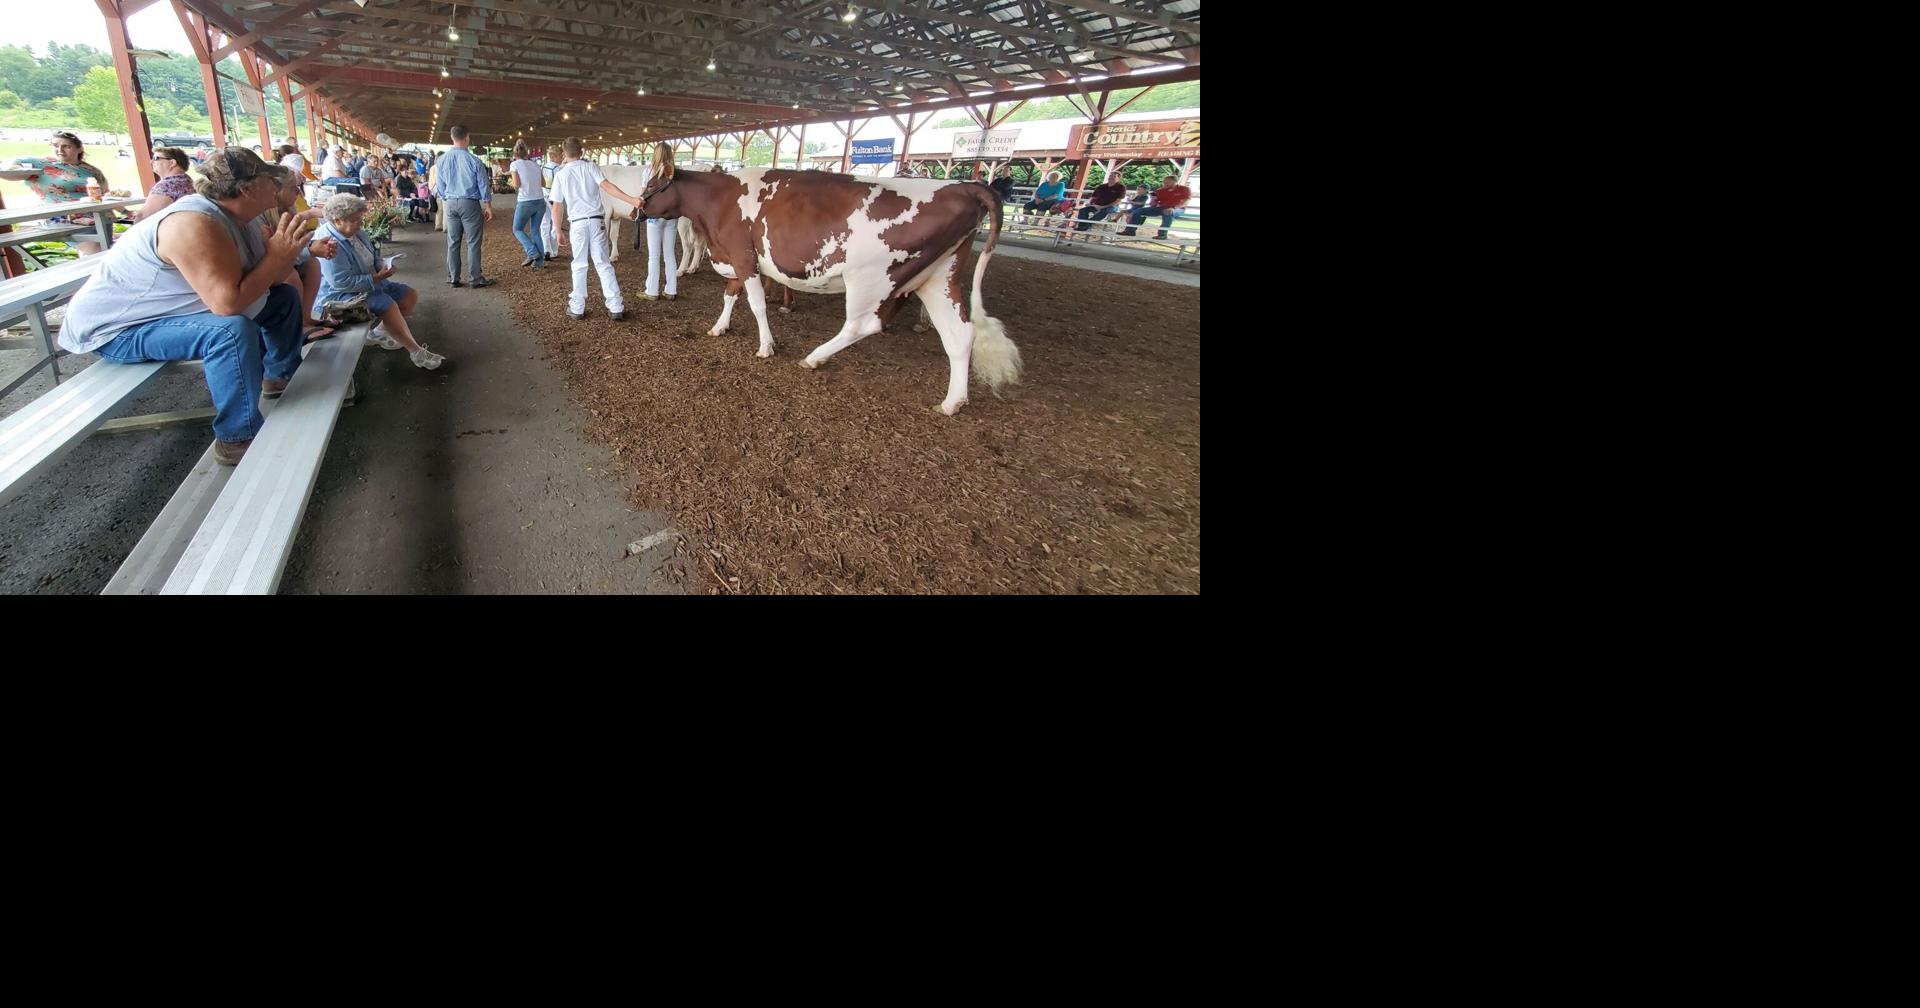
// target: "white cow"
[[627, 178]]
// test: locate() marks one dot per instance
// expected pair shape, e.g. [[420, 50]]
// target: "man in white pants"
[[548, 240], [576, 198]]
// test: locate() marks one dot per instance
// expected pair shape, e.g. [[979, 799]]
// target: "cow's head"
[[662, 197]]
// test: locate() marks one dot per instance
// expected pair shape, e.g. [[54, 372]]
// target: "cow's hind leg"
[[786, 300], [757, 300], [947, 313], [726, 314], [863, 320]]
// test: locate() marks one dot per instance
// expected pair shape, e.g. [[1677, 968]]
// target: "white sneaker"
[[425, 358], [378, 337]]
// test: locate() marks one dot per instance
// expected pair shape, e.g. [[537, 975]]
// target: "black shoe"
[[455, 283], [482, 283], [618, 316], [578, 316]]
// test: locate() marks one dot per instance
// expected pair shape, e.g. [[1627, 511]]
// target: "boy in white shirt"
[[577, 188]]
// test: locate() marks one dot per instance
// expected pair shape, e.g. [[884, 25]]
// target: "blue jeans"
[[463, 216], [1167, 216], [238, 351], [1091, 215], [662, 241], [527, 215]]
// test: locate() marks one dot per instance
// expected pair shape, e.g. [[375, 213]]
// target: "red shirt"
[[1172, 197]]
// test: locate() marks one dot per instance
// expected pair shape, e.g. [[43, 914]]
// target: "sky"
[[73, 22]]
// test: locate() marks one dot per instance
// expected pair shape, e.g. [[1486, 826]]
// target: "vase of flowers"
[[378, 224]]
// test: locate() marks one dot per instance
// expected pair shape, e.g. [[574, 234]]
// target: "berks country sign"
[[1169, 138]]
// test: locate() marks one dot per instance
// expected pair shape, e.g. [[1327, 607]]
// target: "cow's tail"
[[996, 360]]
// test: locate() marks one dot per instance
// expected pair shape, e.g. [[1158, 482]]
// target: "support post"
[[201, 39], [139, 136]]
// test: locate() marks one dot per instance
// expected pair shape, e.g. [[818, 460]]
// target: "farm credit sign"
[[988, 144], [1169, 138]]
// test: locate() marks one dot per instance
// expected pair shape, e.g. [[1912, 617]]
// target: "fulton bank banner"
[[873, 151]]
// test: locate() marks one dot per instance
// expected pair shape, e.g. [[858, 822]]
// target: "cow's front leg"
[[757, 300], [726, 314]]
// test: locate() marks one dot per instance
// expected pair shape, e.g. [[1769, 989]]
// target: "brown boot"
[[272, 387], [230, 452]]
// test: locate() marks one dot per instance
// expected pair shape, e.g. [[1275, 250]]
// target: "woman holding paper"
[[358, 269]]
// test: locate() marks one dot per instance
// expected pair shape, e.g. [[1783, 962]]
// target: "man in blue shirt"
[[465, 187]]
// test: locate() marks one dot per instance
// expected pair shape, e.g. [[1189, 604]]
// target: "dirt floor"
[[545, 446], [1084, 479]]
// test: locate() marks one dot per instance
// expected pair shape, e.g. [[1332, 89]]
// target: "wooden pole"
[[802, 152], [201, 39], [251, 66], [138, 133]]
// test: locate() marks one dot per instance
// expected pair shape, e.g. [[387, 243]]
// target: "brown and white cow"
[[877, 240]]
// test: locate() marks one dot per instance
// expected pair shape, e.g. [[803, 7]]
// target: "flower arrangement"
[[381, 215]]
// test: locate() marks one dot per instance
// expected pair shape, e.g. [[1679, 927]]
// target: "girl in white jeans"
[[661, 233]]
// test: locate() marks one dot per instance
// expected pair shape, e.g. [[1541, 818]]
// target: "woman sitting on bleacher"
[[196, 281], [64, 177], [357, 270], [306, 272], [1047, 195], [170, 164]]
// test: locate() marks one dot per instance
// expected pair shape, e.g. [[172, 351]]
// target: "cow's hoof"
[[919, 328], [713, 332], [784, 310], [767, 352], [808, 364], [952, 408]]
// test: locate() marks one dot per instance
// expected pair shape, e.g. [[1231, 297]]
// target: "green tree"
[[9, 100], [97, 101]]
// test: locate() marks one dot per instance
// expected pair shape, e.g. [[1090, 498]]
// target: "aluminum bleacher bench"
[[31, 295], [228, 530]]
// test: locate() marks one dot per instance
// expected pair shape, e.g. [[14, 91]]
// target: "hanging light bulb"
[[641, 91], [566, 115], [444, 73], [851, 15], [710, 63], [589, 106]]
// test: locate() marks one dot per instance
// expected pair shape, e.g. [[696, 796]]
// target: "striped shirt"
[[462, 176]]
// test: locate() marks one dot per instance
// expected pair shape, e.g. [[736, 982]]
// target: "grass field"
[[120, 171]]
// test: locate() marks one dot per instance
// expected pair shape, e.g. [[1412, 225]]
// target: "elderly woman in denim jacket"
[[356, 269]]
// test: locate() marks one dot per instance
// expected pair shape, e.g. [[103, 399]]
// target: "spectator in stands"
[[170, 164], [1101, 202], [466, 187], [291, 157], [290, 199], [334, 169], [358, 269], [408, 190], [196, 281], [1003, 184], [64, 178], [1047, 195], [530, 206], [375, 179], [1166, 201]]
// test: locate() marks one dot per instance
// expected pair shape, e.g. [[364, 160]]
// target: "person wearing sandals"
[[356, 269], [306, 271], [660, 231]]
